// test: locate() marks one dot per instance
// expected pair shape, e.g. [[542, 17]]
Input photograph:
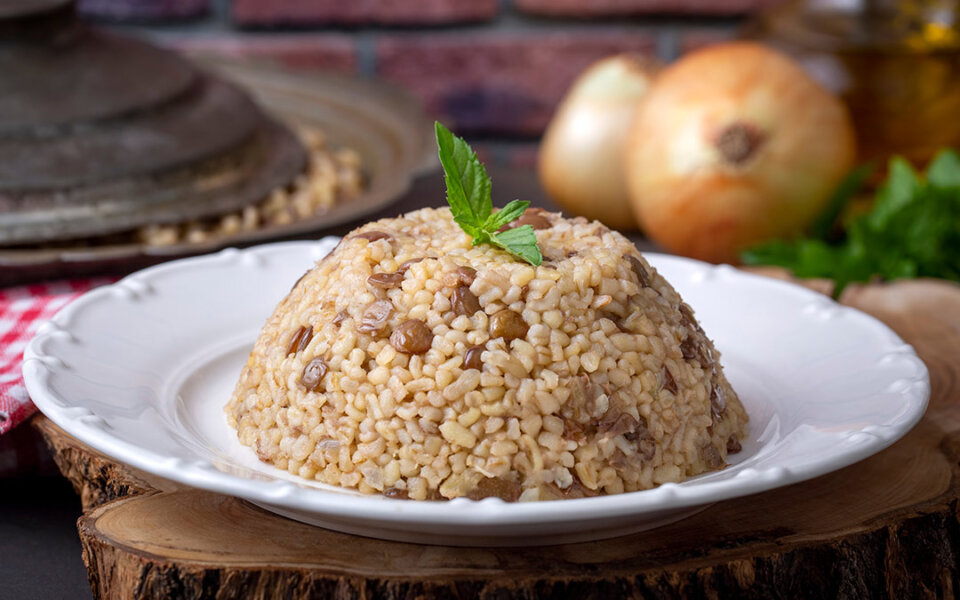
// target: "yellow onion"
[[581, 156], [733, 145]]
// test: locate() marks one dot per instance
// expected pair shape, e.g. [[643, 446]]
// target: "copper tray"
[[386, 126]]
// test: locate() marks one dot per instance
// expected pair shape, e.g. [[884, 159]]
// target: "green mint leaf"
[[521, 242], [901, 186], [944, 170], [839, 200], [482, 237], [456, 197], [468, 186], [471, 230], [510, 212], [776, 252], [468, 194]]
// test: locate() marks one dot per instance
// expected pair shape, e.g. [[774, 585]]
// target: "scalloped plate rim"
[[38, 367]]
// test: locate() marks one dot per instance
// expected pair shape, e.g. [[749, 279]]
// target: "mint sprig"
[[468, 194]]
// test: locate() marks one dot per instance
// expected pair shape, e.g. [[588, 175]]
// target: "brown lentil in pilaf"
[[410, 364]]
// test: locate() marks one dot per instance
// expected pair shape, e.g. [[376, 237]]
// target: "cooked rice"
[[609, 386]]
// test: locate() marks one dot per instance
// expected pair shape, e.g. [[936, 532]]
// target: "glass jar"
[[896, 64]]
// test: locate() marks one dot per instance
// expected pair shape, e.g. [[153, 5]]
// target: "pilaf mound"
[[411, 364]]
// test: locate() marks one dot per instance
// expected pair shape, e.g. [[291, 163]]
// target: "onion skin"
[[581, 157], [733, 145]]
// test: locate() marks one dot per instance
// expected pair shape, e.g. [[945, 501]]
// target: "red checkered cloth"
[[22, 310]]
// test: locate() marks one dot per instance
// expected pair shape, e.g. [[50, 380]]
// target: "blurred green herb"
[[913, 230], [824, 224], [468, 194]]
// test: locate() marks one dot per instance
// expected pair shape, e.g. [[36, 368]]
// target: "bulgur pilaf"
[[411, 364]]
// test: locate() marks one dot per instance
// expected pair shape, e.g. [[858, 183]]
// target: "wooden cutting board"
[[886, 527]]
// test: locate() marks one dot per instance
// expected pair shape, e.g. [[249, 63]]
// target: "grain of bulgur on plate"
[[410, 364]]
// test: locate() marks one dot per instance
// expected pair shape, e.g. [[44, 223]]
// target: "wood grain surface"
[[886, 527]]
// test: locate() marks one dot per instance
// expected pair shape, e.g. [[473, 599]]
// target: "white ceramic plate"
[[140, 370]]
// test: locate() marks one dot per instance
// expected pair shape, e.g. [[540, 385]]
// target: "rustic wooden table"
[[886, 527]]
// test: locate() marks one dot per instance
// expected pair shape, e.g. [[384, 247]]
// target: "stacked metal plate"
[[101, 134]]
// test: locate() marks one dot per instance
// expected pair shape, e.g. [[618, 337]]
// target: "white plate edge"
[[454, 512]]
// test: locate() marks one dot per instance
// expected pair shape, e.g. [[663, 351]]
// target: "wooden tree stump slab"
[[96, 478], [886, 527]]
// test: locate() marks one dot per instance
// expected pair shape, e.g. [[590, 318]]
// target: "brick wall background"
[[492, 69]]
